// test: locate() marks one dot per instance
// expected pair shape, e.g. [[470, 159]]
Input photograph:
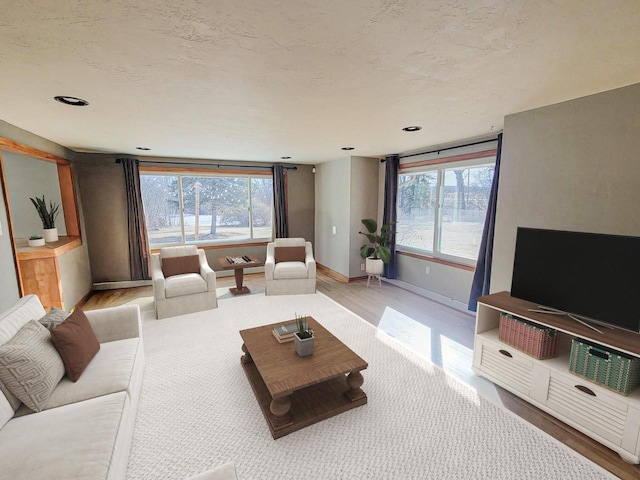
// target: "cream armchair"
[[183, 281], [289, 268]]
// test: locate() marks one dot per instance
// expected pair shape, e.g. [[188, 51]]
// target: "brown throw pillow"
[[179, 265], [289, 254], [76, 343]]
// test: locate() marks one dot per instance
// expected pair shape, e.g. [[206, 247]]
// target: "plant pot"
[[303, 346], [374, 266], [50, 234], [38, 242]]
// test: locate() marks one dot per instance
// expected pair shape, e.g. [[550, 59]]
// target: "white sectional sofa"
[[86, 428]]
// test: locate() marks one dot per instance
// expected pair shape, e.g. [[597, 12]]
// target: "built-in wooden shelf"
[[40, 269], [53, 249]]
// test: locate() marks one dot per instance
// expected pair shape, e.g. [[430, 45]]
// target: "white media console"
[[606, 416]]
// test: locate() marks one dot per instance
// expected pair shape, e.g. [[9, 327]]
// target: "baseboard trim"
[[436, 297], [121, 284], [332, 273]]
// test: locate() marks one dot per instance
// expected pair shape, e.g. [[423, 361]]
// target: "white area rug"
[[198, 411]]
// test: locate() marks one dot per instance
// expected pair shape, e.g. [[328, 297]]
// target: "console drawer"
[[505, 363], [600, 413]]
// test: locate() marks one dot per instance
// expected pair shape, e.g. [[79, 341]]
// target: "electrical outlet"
[[335, 230], [362, 267], [427, 270]]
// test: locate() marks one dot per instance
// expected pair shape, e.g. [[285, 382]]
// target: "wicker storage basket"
[[615, 370], [535, 340]]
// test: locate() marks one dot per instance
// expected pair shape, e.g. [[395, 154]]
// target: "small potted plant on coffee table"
[[303, 338]]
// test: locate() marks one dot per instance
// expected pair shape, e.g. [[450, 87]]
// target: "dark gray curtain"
[[280, 201], [392, 163], [482, 275], [138, 245]]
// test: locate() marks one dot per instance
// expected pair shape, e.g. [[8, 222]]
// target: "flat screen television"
[[591, 275]]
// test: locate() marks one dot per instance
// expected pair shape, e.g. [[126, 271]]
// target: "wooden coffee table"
[[295, 392]]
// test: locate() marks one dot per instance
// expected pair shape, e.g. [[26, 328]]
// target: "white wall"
[[332, 201], [9, 292], [572, 166], [27, 178]]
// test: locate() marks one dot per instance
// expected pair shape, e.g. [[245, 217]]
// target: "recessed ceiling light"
[[412, 128], [73, 101], [143, 148], [348, 148], [285, 158]]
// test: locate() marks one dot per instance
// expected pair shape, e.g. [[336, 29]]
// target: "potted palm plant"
[[48, 217], [303, 338], [376, 253]]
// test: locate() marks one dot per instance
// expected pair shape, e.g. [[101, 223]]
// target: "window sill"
[[430, 258], [217, 246]]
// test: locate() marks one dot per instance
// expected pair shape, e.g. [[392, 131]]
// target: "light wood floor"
[[372, 303]]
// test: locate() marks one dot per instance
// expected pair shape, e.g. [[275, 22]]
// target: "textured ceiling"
[[257, 80]]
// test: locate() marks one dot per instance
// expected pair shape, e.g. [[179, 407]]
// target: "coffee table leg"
[[355, 381], [246, 358], [280, 408]]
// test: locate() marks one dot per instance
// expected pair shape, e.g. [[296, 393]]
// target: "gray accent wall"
[[301, 204], [572, 166], [101, 182]]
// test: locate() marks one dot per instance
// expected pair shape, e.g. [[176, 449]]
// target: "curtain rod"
[[216, 165], [445, 149]]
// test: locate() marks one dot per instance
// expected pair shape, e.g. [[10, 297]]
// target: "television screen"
[[588, 274]]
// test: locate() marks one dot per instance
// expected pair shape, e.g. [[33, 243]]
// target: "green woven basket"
[[616, 370]]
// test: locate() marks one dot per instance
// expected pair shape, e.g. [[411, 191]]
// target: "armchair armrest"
[[207, 272], [157, 277], [310, 261], [269, 265], [115, 323]]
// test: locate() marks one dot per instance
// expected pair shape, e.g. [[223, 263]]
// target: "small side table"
[[238, 269]]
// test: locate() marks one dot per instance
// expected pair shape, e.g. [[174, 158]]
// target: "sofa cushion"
[[285, 270], [54, 318], [12, 320], [85, 440], [76, 343], [115, 368], [30, 366], [180, 265], [186, 284], [289, 254]]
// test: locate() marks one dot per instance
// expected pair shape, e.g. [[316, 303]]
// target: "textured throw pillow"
[[54, 318], [30, 366], [76, 343], [179, 265], [289, 254]]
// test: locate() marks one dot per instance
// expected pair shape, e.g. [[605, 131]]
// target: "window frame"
[[440, 166], [178, 173]]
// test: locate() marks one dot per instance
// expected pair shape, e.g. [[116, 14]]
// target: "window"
[[441, 209], [200, 208]]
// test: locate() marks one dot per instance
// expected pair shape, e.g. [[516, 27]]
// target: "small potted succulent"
[[303, 338], [48, 217], [36, 241]]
